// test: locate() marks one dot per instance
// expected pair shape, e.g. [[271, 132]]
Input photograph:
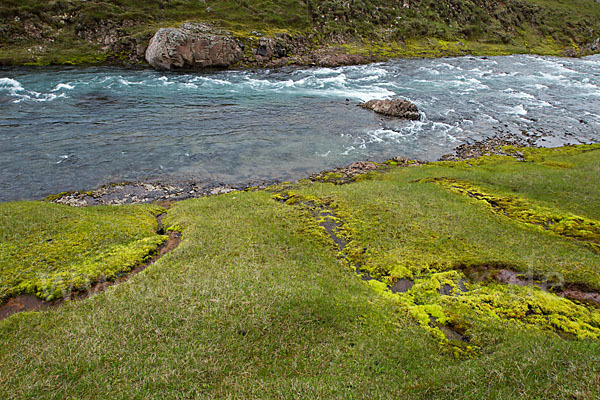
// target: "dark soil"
[[570, 291]]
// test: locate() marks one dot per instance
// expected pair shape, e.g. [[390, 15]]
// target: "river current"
[[67, 129]]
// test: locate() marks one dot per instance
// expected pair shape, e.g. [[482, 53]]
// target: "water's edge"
[[64, 129]]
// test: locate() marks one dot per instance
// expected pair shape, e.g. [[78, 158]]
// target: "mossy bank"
[[386, 284], [80, 32]]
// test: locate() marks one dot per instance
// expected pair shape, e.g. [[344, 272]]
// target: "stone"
[[333, 57], [193, 46], [393, 108]]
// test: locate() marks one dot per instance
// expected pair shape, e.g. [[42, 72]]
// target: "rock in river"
[[193, 46], [393, 108]]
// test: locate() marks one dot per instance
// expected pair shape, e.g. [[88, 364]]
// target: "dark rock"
[[192, 46], [571, 52], [393, 108], [146, 192], [489, 146]]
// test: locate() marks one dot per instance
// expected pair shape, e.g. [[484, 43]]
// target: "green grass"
[[49, 250], [257, 302]]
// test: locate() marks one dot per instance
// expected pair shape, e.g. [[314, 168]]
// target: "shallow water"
[[76, 128]]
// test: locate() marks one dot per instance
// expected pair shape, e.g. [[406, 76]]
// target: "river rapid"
[[65, 129]]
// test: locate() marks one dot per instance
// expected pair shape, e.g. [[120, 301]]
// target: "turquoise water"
[[77, 128]]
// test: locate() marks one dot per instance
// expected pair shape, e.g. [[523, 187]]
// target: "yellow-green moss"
[[555, 221], [50, 249]]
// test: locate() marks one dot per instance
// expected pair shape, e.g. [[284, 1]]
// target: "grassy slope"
[[50, 248], [378, 27], [255, 302]]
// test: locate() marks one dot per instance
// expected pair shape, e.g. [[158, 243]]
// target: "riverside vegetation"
[[96, 31], [386, 285]]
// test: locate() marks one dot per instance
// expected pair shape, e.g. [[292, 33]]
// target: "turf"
[[258, 301]]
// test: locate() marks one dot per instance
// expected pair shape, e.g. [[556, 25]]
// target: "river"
[[76, 128]]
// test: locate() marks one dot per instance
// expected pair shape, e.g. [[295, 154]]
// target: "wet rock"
[[146, 192], [193, 46], [219, 190], [591, 48], [269, 48], [571, 53], [393, 108], [402, 286], [344, 175], [490, 146]]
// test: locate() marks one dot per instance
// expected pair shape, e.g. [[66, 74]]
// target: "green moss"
[[396, 228], [557, 222], [50, 250], [330, 177], [57, 196]]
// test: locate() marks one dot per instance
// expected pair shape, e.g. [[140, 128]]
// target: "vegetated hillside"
[[78, 31]]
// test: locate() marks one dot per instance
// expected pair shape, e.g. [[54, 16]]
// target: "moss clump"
[[329, 177], [399, 227], [560, 223], [51, 250]]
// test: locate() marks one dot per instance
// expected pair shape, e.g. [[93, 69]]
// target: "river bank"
[[273, 34], [167, 192]]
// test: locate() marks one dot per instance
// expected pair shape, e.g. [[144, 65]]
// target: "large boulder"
[[192, 46], [393, 108]]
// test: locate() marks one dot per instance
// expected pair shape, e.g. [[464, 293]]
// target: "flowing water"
[[76, 128]]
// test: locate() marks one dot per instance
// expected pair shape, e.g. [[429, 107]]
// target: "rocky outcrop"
[[393, 108], [192, 46]]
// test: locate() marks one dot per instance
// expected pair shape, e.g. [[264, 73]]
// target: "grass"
[[258, 302], [74, 32], [50, 249]]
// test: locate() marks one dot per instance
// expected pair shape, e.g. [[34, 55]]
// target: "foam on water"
[[16, 90]]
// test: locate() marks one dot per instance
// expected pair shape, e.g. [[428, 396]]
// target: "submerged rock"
[[393, 108], [192, 46]]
